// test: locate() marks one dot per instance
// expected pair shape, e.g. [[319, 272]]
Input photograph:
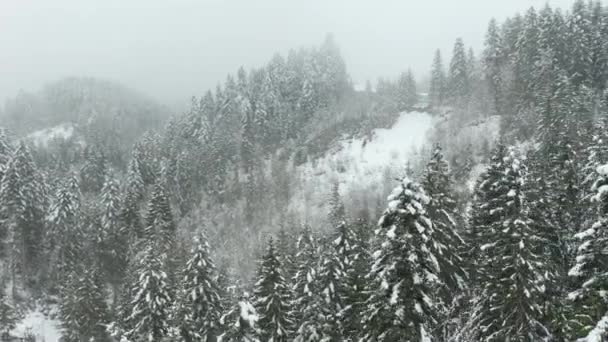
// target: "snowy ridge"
[[44, 136], [360, 166]]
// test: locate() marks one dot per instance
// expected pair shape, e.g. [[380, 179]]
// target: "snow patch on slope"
[[43, 328], [598, 333], [362, 166], [44, 136]]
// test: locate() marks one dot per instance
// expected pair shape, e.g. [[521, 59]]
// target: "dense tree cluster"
[[519, 257]]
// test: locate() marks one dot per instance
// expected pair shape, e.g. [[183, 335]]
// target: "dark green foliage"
[[589, 271], [160, 227], [22, 206], [93, 170], [112, 239], [306, 288], [272, 299], [512, 280], [130, 212], [8, 316], [66, 235], [404, 272], [83, 310], [198, 299], [148, 312], [443, 211]]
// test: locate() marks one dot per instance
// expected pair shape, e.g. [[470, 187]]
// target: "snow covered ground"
[[364, 169], [44, 328], [44, 136]]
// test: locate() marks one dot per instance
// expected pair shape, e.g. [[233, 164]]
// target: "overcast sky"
[[173, 49]]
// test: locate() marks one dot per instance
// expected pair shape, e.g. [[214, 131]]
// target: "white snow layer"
[[44, 136], [598, 333], [602, 169], [361, 165], [44, 328]]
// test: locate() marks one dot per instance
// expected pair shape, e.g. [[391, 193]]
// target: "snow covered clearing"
[[43, 328], [44, 136], [361, 166]]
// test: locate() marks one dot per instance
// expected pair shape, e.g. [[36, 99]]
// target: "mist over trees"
[[138, 226]]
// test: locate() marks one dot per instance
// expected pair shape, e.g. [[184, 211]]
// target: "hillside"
[[94, 111], [363, 167]]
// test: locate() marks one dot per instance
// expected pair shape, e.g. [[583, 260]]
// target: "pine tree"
[[306, 295], [272, 299], [331, 288], [525, 58], [513, 280], [149, 310], [65, 237], [305, 289], [112, 240], [458, 75], [579, 37], [287, 253], [560, 153], [484, 213], [130, 211], [83, 310], [160, 226], [443, 211], [8, 317], [589, 271], [493, 59], [438, 81], [199, 302], [5, 151], [401, 307], [93, 171], [598, 62], [406, 91], [21, 214], [356, 282]]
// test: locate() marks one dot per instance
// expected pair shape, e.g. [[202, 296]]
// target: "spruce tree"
[[493, 59], [579, 37], [65, 237], [401, 307], [458, 75], [199, 301], [513, 279], [438, 81], [332, 291], [272, 299], [406, 91], [112, 240], [8, 316], [589, 271], [22, 206], [305, 289], [5, 151], [130, 211], [149, 310], [83, 309], [444, 212], [357, 284], [93, 170], [160, 225]]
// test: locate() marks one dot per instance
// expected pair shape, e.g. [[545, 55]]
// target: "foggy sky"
[[173, 49]]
